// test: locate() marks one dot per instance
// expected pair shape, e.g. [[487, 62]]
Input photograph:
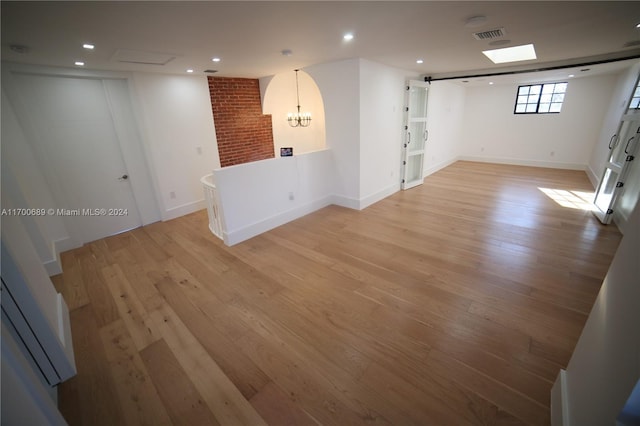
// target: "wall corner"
[[560, 401]]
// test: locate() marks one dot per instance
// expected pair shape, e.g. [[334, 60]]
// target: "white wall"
[[24, 185], [381, 115], [34, 181], [279, 99], [27, 398], [170, 114], [258, 196], [339, 83], [605, 364], [21, 249], [179, 134], [492, 132], [360, 166], [363, 118], [444, 122]]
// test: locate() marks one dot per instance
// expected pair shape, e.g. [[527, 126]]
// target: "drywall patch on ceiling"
[[141, 57]]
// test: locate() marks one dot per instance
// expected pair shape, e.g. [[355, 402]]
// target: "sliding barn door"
[[416, 133], [622, 151]]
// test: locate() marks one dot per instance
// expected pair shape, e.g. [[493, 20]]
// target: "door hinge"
[[619, 184], [406, 109], [609, 211], [404, 163], [405, 145], [402, 180], [406, 127], [629, 158], [408, 88]]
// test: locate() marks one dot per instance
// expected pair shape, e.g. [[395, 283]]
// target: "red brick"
[[244, 134]]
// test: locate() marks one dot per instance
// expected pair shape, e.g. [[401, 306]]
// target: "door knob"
[[123, 177]]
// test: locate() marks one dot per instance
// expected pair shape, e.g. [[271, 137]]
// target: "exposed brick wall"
[[244, 134]]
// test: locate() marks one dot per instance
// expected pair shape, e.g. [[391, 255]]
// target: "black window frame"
[[519, 95]]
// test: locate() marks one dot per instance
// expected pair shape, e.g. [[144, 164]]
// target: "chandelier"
[[298, 119]]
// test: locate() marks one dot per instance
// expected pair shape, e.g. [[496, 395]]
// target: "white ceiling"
[[249, 36]]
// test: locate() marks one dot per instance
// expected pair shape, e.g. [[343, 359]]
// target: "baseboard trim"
[[431, 170], [183, 209], [593, 177], [530, 163], [257, 228], [54, 266], [380, 195], [348, 202]]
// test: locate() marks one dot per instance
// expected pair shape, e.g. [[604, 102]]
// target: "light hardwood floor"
[[453, 303]]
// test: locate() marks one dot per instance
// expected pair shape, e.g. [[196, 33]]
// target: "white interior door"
[[75, 131], [622, 149], [416, 133]]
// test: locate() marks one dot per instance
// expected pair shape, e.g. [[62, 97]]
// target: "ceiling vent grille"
[[211, 71], [489, 34]]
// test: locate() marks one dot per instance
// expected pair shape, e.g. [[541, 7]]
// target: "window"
[[540, 98], [635, 99]]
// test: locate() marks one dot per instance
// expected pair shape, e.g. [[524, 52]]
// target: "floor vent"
[[489, 34]]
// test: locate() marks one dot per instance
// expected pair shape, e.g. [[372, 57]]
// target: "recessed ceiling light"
[[419, 61], [216, 59], [79, 63], [571, 75], [491, 82], [475, 21], [189, 70], [347, 37], [524, 52], [88, 46]]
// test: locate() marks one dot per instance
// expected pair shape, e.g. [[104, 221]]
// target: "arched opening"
[[280, 99]]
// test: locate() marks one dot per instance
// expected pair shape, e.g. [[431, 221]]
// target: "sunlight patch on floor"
[[580, 200]]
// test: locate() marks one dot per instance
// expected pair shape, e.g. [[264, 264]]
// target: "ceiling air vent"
[[489, 34], [211, 71]]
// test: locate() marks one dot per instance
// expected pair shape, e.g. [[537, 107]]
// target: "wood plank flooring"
[[453, 303]]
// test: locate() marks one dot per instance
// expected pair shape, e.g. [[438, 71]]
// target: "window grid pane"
[[546, 98], [635, 100]]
